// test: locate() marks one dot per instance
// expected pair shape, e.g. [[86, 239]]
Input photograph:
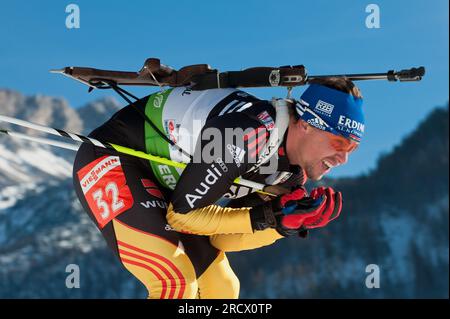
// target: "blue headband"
[[331, 110]]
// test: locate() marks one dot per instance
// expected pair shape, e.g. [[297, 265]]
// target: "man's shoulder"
[[263, 112]]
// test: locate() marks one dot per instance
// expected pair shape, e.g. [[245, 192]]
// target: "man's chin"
[[314, 176], [318, 178]]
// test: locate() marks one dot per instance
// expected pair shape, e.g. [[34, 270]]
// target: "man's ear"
[[303, 125]]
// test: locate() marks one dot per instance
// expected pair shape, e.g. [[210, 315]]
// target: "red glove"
[[317, 210], [330, 211], [293, 197], [295, 213], [288, 200]]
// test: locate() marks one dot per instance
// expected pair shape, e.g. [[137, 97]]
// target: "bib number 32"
[[104, 186], [112, 194]]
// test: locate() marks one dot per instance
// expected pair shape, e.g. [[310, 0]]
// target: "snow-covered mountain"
[[42, 226], [24, 164], [45, 110], [395, 217], [97, 112]]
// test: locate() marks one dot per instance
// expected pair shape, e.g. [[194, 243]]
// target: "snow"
[[10, 169], [399, 231], [32, 163], [7, 154], [46, 162], [11, 194], [425, 238]]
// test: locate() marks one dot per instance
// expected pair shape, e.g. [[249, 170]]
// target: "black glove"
[[272, 214]]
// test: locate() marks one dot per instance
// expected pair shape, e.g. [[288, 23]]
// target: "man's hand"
[[331, 211], [316, 210], [296, 212]]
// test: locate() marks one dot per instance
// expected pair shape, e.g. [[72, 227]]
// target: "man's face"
[[316, 151]]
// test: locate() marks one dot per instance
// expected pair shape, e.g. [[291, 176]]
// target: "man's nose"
[[343, 157]]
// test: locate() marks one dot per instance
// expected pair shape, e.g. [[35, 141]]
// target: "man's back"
[[180, 115]]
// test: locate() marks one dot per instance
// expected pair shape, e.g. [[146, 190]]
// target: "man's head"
[[326, 126]]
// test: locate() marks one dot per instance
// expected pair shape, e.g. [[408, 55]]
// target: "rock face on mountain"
[[97, 112], [395, 217], [44, 110]]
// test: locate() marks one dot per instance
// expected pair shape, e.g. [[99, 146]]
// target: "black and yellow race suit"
[[171, 227]]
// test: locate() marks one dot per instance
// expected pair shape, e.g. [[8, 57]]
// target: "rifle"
[[202, 76]]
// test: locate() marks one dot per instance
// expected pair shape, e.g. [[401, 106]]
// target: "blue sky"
[[328, 37]]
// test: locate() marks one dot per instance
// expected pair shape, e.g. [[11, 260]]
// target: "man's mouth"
[[328, 165]]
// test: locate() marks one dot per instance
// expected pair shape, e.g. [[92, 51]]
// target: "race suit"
[[171, 227]]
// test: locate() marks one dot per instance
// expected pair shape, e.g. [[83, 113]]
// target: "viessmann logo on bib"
[[98, 171], [105, 189]]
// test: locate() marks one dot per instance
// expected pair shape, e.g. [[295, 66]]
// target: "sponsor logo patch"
[[317, 123], [350, 126], [158, 101], [154, 204], [324, 108], [237, 154], [221, 164], [267, 120], [169, 126], [212, 176], [104, 186], [167, 176], [151, 188]]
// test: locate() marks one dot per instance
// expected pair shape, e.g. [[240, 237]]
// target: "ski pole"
[[88, 140], [41, 140]]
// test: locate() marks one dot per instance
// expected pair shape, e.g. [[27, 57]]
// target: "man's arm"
[[259, 238], [238, 242]]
